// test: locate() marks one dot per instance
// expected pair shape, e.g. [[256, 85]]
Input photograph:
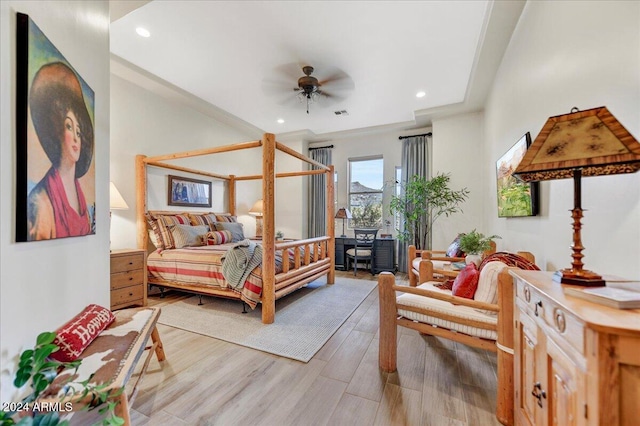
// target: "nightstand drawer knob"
[[130, 293]]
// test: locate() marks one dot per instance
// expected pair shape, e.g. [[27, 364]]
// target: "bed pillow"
[[206, 219], [226, 218], [155, 229], [187, 235], [78, 333], [237, 233], [466, 282], [164, 221], [214, 238]]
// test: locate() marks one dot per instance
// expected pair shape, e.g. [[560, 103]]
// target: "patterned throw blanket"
[[239, 261]]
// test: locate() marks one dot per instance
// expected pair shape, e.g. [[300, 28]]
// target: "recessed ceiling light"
[[143, 32], [421, 94], [280, 121]]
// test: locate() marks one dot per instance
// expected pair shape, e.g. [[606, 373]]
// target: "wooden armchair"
[[417, 272], [473, 322]]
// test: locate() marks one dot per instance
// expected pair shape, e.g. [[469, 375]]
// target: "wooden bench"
[[113, 356]]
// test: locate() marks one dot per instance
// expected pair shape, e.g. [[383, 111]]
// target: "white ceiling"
[[244, 57]]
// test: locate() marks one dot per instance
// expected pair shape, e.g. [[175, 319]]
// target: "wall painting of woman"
[[55, 142]]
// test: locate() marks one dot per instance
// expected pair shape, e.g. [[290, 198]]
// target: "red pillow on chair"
[[74, 337], [466, 282]]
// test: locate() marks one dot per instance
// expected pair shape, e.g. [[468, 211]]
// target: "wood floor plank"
[[480, 404], [399, 406], [318, 404], [411, 363], [442, 392], [354, 410], [346, 360], [369, 381], [370, 321]]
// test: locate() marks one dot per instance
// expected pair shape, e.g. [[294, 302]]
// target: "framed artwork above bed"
[[515, 198], [187, 192]]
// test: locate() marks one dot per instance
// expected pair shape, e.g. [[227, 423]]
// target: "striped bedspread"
[[202, 266]]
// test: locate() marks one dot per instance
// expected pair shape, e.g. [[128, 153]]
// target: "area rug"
[[305, 319]]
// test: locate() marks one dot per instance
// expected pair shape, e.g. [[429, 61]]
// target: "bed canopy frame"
[[312, 266]]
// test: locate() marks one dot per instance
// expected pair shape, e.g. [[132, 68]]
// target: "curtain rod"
[[414, 136], [320, 147]]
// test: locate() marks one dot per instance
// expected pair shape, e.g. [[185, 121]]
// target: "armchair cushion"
[[466, 282], [437, 264], [444, 307]]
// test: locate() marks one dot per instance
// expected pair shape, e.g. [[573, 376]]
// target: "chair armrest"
[[449, 298]]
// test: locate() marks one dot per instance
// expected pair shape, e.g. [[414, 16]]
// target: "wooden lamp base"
[[583, 278]]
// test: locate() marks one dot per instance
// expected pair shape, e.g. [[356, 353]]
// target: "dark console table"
[[384, 254]]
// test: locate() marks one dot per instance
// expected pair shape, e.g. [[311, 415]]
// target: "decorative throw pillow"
[[466, 282], [206, 219], [165, 234], [153, 224], [454, 248], [226, 218], [237, 233], [74, 337], [187, 235], [214, 238]]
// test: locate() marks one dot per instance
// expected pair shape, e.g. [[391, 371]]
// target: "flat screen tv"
[[515, 198]]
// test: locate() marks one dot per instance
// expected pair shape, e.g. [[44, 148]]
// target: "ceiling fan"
[[310, 89]]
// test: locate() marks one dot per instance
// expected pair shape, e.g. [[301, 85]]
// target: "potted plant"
[[421, 202], [474, 244], [37, 369], [279, 235]]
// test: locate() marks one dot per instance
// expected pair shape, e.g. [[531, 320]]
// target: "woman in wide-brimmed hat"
[[56, 206]]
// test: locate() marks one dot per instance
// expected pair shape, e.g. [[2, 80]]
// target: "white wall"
[[565, 54], [457, 150], [44, 283]]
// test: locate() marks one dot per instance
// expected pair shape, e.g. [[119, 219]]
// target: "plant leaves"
[[45, 338]]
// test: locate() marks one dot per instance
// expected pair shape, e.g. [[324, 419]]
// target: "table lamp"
[[256, 211], [581, 143], [116, 202], [343, 214]]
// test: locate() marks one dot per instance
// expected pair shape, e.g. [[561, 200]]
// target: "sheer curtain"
[[317, 222], [415, 161]]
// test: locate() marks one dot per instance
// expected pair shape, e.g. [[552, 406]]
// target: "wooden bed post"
[[268, 231], [141, 201], [331, 225], [505, 342], [387, 352], [232, 195]]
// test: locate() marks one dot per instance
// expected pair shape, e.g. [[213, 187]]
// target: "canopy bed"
[[309, 259]]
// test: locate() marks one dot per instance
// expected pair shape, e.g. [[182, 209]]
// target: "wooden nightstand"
[[128, 278]]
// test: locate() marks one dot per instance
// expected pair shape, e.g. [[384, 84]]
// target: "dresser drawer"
[[550, 315], [127, 279], [127, 295], [127, 262]]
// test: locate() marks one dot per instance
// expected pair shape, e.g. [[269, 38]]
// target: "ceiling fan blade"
[[332, 97], [337, 80]]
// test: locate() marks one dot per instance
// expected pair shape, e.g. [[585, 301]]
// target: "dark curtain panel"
[[415, 161], [317, 221]]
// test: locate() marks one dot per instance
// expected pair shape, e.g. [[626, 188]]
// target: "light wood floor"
[[206, 381]]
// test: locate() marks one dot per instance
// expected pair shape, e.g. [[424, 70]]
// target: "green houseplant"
[[421, 202], [39, 371], [474, 244]]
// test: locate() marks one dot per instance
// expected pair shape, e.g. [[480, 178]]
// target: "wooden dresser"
[[576, 362], [128, 278]]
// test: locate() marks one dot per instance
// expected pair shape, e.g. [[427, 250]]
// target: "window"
[[366, 179], [398, 192]]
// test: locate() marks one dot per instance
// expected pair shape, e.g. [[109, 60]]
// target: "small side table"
[[128, 278]]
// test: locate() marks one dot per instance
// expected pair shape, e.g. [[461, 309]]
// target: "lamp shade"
[[257, 209], [592, 141], [116, 202], [343, 213]]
